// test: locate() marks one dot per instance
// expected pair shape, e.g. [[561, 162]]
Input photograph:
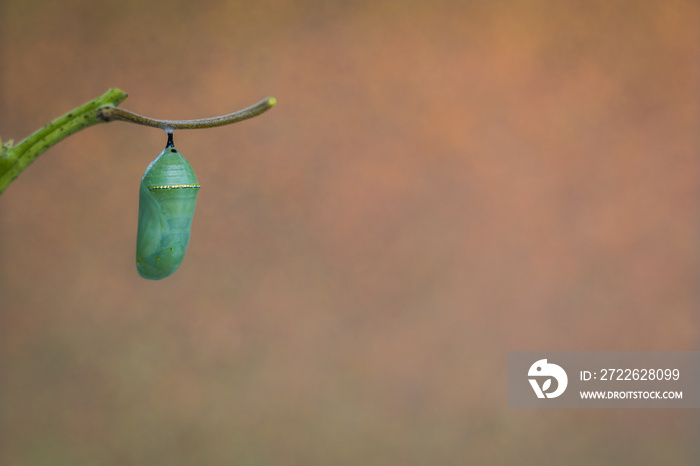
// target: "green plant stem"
[[15, 159]]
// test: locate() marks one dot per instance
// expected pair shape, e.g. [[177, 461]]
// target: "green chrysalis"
[[167, 200]]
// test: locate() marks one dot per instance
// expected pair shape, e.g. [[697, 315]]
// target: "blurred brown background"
[[441, 183]]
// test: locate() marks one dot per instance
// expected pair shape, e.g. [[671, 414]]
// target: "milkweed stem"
[[114, 113], [15, 159]]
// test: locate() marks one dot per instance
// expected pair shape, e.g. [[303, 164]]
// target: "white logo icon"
[[543, 369]]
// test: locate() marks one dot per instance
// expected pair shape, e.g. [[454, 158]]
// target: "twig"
[[15, 159]]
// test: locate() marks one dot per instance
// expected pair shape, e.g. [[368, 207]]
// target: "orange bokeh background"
[[440, 183]]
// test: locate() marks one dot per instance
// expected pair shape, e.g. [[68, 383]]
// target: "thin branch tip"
[[112, 113]]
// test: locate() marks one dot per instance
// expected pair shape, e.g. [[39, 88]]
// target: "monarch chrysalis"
[[167, 200]]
